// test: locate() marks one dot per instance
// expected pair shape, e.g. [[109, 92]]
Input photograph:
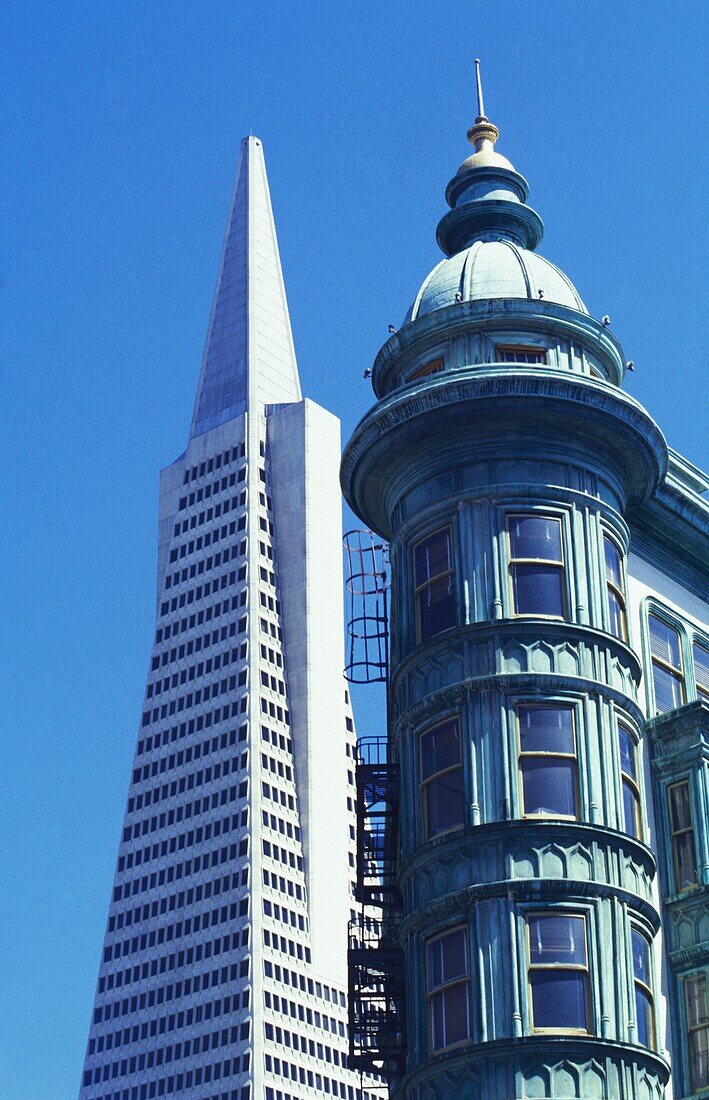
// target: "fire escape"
[[375, 959]]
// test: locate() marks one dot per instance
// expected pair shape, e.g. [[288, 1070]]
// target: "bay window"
[[559, 980], [536, 565], [448, 989]]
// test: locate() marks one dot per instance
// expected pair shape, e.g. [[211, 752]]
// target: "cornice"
[[489, 315], [555, 1048], [434, 914], [527, 627], [511, 682], [486, 401], [513, 830]]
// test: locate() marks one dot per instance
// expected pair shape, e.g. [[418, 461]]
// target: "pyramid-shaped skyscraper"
[[224, 973]]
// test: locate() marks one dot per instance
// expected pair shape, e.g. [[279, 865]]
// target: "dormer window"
[[434, 366], [519, 353]]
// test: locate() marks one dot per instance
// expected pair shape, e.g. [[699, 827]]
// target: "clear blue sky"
[[120, 129]]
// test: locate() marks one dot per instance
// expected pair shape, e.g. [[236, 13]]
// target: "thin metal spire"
[[478, 81]]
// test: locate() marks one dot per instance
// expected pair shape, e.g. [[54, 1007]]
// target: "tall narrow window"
[[558, 972], [615, 589], [536, 565], [632, 818], [448, 989], [547, 761], [697, 1005], [433, 578], [442, 778], [642, 980], [701, 670], [667, 674], [682, 833]]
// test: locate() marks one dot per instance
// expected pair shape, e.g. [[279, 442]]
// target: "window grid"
[[448, 988], [537, 580], [547, 1011], [535, 759], [433, 366], [642, 984], [441, 778], [615, 589], [700, 655], [667, 670], [684, 859], [697, 1009], [520, 353], [632, 807], [433, 581]]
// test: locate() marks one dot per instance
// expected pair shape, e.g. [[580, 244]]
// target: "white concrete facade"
[[224, 971]]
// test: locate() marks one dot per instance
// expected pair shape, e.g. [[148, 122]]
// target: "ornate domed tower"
[[499, 462]]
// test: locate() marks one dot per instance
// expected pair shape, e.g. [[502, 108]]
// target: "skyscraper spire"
[[249, 356]]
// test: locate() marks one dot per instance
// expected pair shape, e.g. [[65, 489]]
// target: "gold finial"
[[483, 134]]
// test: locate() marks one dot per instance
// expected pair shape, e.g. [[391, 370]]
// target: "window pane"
[[701, 668], [699, 1058], [612, 558], [546, 729], [616, 615], [664, 642], [535, 537], [697, 1001], [644, 1017], [641, 957], [538, 590], [455, 1013], [549, 785], [559, 999], [440, 749], [631, 810], [668, 689], [436, 607], [557, 940], [685, 863], [454, 955], [627, 751], [438, 1039], [444, 803], [447, 958], [680, 808], [449, 1016], [433, 557]]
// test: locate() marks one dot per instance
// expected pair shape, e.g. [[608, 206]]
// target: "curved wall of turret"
[[498, 462]]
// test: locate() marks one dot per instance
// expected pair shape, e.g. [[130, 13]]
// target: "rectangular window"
[[701, 670], [434, 366], [682, 834], [442, 778], [667, 674], [642, 980], [632, 818], [697, 1005], [509, 353], [433, 579], [615, 589], [558, 972], [547, 761], [536, 565], [448, 989]]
